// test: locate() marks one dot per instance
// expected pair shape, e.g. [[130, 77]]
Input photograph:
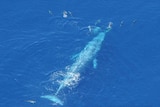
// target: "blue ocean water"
[[36, 41]]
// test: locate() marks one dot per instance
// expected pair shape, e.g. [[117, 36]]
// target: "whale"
[[87, 54]]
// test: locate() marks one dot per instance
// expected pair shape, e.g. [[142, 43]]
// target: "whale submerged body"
[[86, 55]]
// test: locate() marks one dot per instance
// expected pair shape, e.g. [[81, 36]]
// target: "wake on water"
[[72, 75]]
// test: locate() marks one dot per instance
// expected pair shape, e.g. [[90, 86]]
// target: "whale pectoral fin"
[[73, 58], [95, 63]]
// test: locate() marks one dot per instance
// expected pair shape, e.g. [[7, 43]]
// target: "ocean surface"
[[39, 38]]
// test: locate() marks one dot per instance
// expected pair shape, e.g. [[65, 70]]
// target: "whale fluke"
[[53, 98]]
